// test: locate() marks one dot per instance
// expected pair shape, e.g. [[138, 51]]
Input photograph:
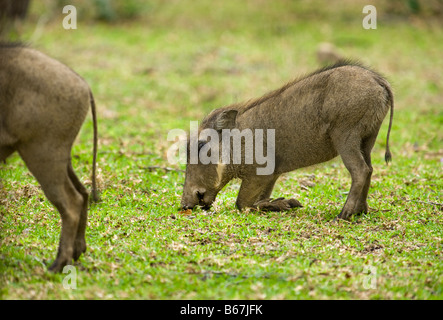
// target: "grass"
[[178, 63]]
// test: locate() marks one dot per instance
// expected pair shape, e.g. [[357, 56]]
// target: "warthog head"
[[206, 175]]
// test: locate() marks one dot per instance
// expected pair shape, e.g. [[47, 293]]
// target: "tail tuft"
[[388, 155]]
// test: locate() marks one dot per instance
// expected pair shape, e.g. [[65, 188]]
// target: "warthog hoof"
[[58, 265], [79, 248], [346, 214]]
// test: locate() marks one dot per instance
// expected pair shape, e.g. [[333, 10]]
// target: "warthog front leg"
[[255, 192], [279, 204]]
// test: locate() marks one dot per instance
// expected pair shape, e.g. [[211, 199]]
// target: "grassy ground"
[[178, 63]]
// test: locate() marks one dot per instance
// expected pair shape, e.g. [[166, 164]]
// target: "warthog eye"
[[201, 144]]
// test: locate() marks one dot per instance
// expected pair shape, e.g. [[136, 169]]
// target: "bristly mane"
[[338, 64], [249, 104]]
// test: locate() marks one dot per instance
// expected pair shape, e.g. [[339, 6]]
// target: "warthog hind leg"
[[355, 160], [55, 176]]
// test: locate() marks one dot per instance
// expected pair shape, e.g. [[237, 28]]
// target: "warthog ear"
[[225, 120]]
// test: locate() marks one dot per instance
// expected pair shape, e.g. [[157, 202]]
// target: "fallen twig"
[[150, 168], [424, 202]]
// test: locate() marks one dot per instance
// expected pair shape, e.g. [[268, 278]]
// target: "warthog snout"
[[197, 197]]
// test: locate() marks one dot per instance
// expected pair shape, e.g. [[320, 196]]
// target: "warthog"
[[337, 110], [43, 104]]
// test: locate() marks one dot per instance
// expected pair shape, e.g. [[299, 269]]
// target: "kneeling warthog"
[[43, 104], [337, 110]]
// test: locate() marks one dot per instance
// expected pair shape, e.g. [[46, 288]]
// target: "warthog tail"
[[94, 192], [388, 155]]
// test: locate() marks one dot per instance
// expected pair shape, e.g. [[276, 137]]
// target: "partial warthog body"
[[335, 111], [43, 104]]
